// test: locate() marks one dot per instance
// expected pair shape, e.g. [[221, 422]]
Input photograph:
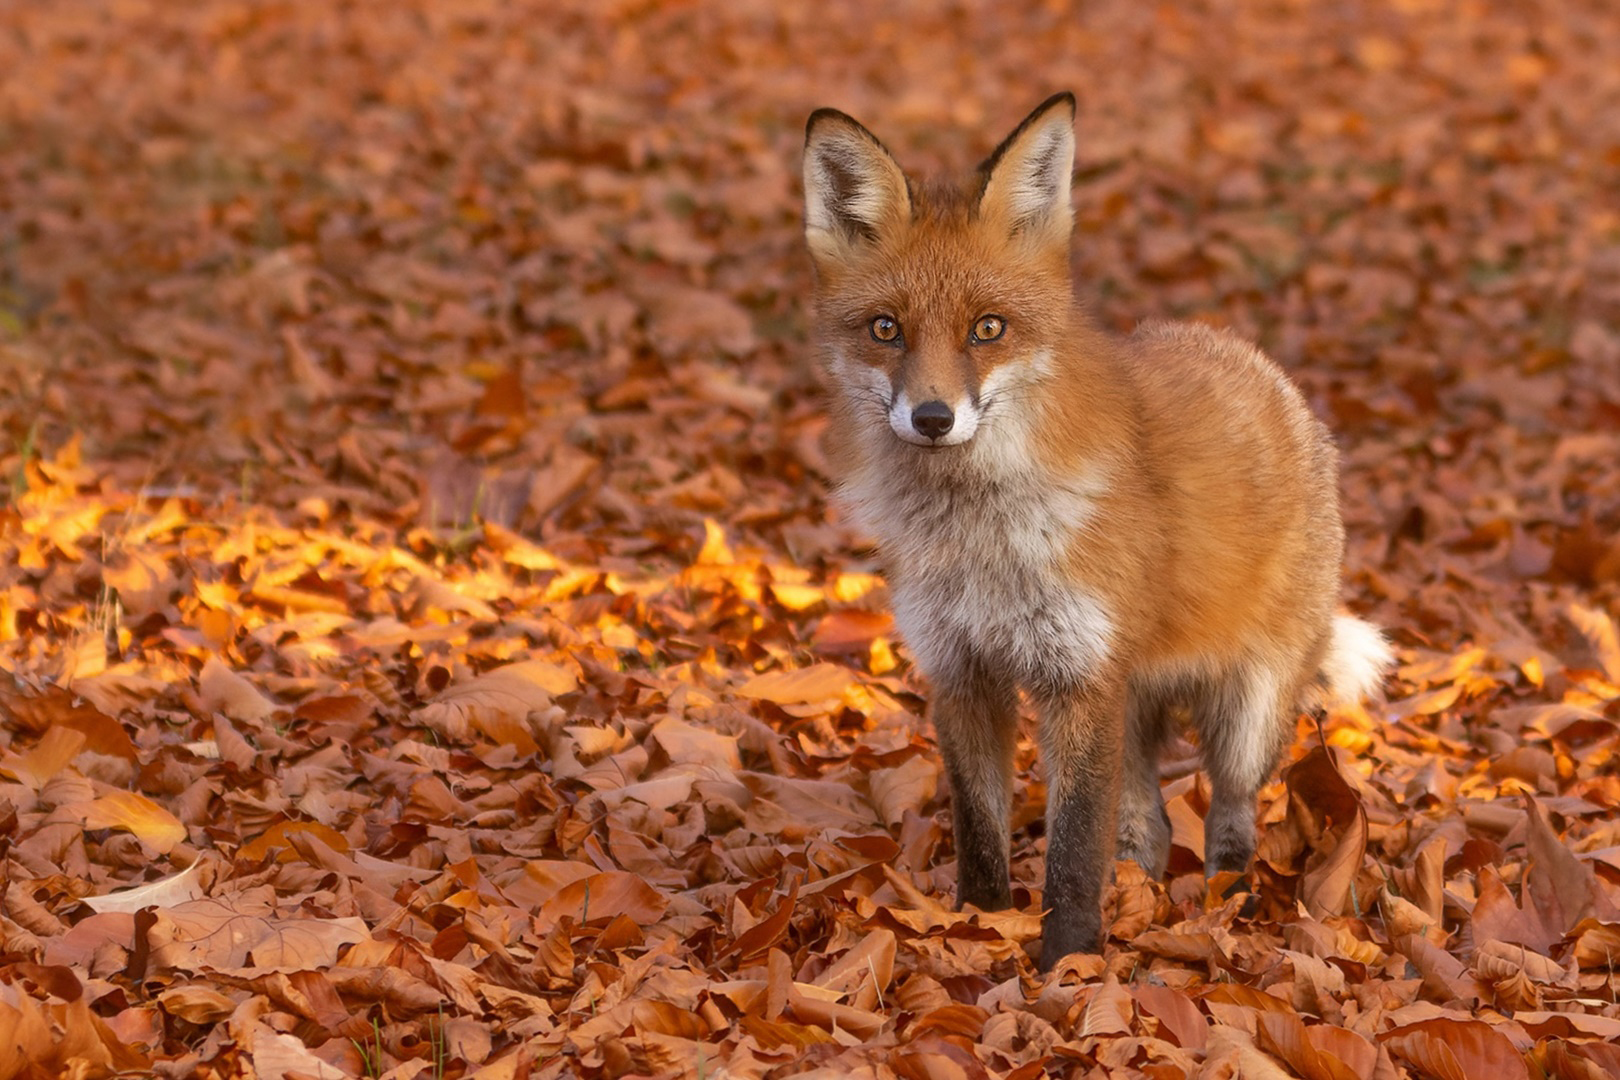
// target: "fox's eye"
[[988, 328], [885, 329]]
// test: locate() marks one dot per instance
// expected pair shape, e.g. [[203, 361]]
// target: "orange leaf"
[[1457, 1050], [850, 628], [1109, 1012], [140, 815], [600, 898], [765, 933], [275, 837], [802, 686], [1176, 1012]]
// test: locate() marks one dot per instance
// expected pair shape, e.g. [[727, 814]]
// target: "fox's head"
[[941, 302]]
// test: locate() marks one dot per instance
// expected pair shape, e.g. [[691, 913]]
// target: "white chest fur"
[[976, 562]]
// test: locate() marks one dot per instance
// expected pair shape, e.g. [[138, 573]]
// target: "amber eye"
[[988, 328], [885, 329]]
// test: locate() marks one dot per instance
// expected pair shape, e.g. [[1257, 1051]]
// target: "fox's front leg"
[[1082, 736], [976, 717]]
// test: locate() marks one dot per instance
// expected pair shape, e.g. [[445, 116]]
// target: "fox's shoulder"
[[1163, 342], [1189, 357], [1201, 381]]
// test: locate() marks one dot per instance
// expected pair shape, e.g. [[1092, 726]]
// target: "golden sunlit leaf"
[[814, 684], [139, 815]]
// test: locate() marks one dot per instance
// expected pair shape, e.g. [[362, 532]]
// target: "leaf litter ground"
[[429, 650]]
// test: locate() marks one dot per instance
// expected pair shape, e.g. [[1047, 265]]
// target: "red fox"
[[1120, 528]]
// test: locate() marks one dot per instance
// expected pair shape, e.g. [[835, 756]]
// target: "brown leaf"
[[1176, 1012], [801, 686], [1108, 1012], [1597, 945], [217, 933], [197, 1004], [689, 744], [277, 1056], [1456, 1050], [497, 699], [849, 629], [905, 788], [602, 897], [47, 758], [223, 690], [1443, 974], [1563, 889], [1599, 630], [766, 933], [1287, 1037], [1328, 811]]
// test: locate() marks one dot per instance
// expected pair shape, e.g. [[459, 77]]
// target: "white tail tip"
[[1356, 660]]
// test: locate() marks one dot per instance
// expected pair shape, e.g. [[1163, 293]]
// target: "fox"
[[1132, 532]]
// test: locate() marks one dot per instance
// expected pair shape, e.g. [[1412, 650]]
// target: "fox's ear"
[[853, 189], [1026, 180]]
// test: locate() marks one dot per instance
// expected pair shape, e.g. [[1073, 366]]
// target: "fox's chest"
[[985, 570]]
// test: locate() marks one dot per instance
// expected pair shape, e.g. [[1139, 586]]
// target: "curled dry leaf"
[[176, 889], [689, 744], [1109, 1011], [904, 789], [1329, 814], [1232, 1054], [1022, 1038], [1443, 974], [1317, 1052], [197, 1004], [46, 759], [1578, 1061], [1497, 960], [223, 690], [1597, 944], [1456, 1050], [50, 1037], [1562, 889], [278, 838], [863, 973], [1176, 1013], [498, 703]]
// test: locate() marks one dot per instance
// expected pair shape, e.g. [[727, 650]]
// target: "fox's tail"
[[1357, 657]]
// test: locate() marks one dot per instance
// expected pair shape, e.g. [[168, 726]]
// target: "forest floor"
[[418, 582]]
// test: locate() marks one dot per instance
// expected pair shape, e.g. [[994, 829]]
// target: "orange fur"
[[1121, 528]]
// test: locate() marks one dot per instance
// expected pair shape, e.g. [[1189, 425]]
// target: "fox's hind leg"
[[1244, 720], [976, 718], [1144, 827]]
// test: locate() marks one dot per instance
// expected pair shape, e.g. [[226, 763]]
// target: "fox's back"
[[1246, 478]]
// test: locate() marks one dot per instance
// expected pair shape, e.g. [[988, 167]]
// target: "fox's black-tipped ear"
[[1027, 179], [853, 189]]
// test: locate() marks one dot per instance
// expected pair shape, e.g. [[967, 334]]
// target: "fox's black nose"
[[932, 419]]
